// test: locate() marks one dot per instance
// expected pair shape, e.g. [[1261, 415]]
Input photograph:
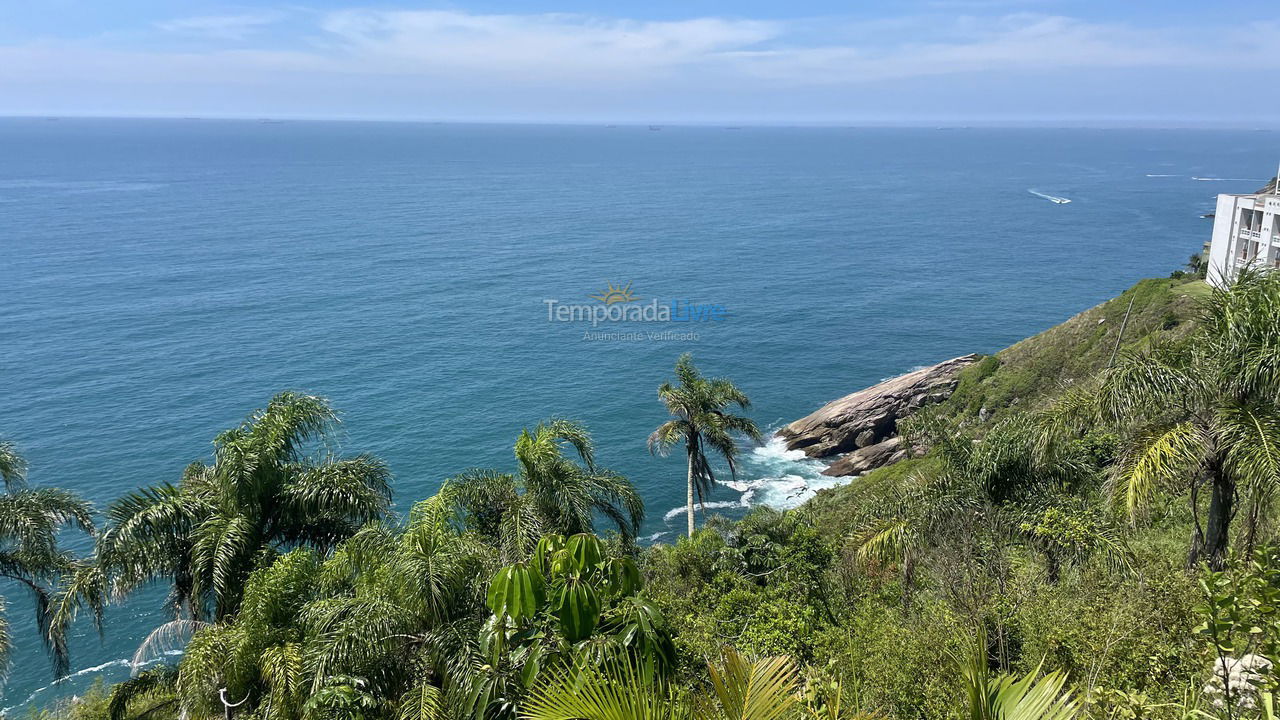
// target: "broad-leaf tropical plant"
[[701, 421], [573, 601]]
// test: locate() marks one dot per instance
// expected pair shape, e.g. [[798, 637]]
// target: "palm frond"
[[148, 535], [1007, 697], [483, 497], [145, 684], [519, 531], [667, 436], [885, 542], [222, 557], [618, 690], [168, 638], [1252, 438], [283, 672], [278, 432], [423, 702], [1150, 381], [83, 588], [351, 491], [575, 434], [13, 467], [1164, 458], [761, 690]]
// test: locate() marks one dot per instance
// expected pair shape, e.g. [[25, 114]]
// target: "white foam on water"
[[119, 662], [1159, 175], [769, 475], [785, 492], [913, 368], [678, 511], [1218, 179], [775, 450], [784, 479]]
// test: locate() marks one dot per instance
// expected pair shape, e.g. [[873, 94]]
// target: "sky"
[[1119, 62]]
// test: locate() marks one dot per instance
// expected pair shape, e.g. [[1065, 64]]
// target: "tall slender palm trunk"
[[690, 494]]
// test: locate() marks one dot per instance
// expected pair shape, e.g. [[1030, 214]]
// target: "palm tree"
[[384, 611], [550, 492], [59, 583], [700, 421], [262, 494], [1203, 413]]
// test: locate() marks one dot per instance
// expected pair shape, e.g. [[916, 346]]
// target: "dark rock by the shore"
[[868, 458], [865, 424]]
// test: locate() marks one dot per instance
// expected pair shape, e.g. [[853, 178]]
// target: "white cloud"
[[562, 47], [550, 47], [423, 61], [219, 27], [1011, 44]]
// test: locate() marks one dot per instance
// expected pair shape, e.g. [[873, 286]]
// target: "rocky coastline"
[[859, 432]]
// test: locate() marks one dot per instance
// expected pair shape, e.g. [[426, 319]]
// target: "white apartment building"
[[1246, 232]]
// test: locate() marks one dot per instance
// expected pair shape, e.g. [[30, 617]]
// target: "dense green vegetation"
[[1085, 533]]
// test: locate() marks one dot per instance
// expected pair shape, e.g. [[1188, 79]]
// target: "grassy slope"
[[1034, 370]]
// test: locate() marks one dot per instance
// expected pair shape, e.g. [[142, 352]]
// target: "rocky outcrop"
[[865, 424], [868, 458]]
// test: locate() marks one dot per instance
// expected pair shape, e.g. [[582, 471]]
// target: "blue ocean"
[[160, 279]]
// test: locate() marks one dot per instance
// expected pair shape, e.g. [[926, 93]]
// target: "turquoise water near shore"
[[161, 279]]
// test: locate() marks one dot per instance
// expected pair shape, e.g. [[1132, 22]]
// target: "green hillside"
[[1027, 373]]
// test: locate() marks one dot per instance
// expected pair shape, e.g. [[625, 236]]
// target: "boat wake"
[[1050, 198], [1218, 179], [1158, 175]]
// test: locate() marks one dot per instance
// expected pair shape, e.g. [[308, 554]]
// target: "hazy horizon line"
[[1100, 123]]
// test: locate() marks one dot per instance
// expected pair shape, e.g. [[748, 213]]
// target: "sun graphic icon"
[[615, 295]]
